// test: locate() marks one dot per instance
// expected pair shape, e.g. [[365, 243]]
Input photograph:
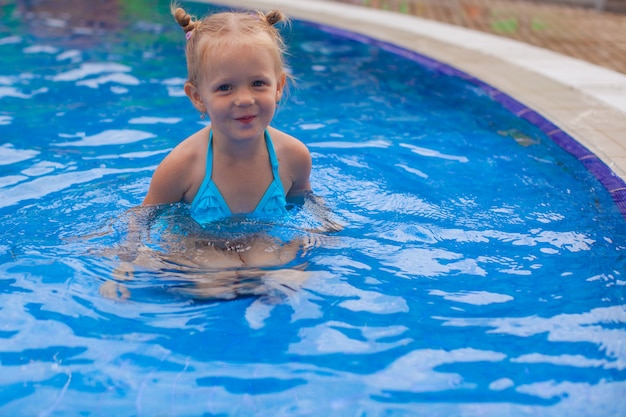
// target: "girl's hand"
[[113, 289]]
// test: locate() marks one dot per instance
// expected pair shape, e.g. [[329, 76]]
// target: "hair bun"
[[183, 19], [274, 17]]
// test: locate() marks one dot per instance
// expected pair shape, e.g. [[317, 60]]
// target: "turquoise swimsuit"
[[209, 204]]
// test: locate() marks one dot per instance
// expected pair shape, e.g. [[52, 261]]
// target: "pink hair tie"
[[188, 35]]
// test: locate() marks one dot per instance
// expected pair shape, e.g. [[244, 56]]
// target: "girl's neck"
[[239, 149]]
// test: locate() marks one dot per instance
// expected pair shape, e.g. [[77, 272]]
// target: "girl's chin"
[[249, 129], [246, 134]]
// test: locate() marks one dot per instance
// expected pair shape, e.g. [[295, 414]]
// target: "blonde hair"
[[217, 30]]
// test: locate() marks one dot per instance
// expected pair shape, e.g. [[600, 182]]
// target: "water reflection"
[[233, 258]]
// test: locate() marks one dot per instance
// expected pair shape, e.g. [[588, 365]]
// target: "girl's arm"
[[177, 173], [300, 191], [300, 169], [167, 184]]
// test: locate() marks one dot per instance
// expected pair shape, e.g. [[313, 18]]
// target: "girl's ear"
[[281, 86], [194, 96]]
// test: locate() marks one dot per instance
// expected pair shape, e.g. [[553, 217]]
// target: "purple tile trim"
[[614, 184]]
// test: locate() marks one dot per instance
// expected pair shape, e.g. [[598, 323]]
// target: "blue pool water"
[[480, 272]]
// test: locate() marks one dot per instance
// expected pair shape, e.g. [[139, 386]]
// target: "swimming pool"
[[480, 270]]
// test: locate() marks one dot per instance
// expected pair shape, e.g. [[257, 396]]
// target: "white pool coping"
[[586, 101]]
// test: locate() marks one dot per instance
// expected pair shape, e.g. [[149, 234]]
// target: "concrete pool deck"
[[584, 100]]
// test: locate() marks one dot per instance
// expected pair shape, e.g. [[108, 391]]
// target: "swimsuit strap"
[[209, 157], [208, 198], [273, 160], [217, 194]]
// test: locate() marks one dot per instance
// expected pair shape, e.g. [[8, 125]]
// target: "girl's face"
[[239, 90]]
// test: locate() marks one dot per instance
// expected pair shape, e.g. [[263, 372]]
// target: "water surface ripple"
[[480, 271]]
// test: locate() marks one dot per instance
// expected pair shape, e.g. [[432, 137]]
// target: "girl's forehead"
[[238, 48], [215, 54]]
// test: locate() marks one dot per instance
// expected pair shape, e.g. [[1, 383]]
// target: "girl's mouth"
[[245, 119]]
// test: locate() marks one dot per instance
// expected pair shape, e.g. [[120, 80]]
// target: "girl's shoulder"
[[286, 143], [189, 148]]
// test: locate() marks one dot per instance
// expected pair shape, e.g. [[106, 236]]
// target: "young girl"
[[237, 164]]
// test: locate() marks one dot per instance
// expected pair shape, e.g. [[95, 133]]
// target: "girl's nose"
[[244, 97]]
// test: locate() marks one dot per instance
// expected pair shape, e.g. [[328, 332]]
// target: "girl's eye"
[[258, 84], [224, 87]]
